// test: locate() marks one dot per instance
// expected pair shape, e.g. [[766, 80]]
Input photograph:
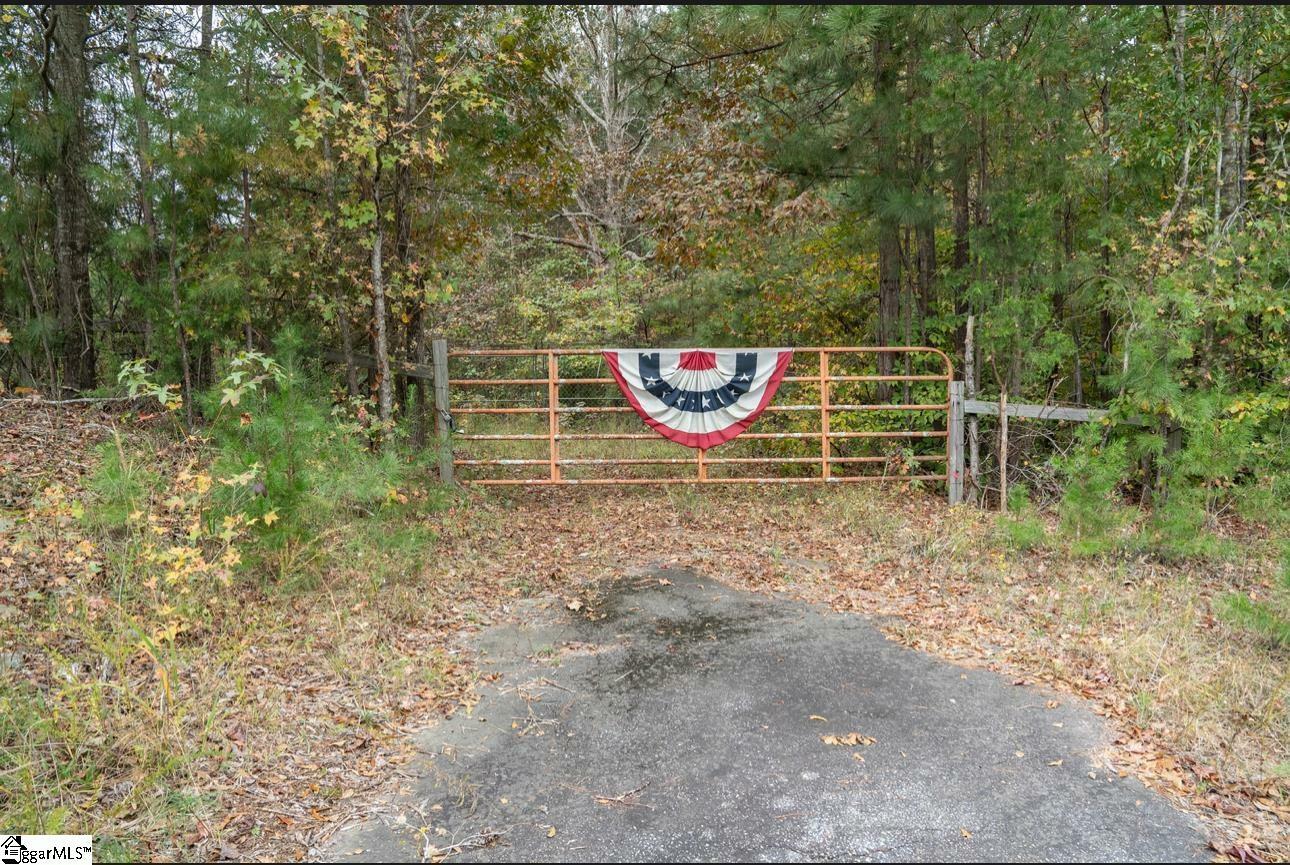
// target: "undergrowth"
[[183, 565]]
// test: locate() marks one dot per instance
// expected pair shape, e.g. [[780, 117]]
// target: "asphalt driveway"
[[672, 718]]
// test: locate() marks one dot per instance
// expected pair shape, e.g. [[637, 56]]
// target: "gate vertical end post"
[[553, 419], [442, 414], [954, 444], [825, 454]]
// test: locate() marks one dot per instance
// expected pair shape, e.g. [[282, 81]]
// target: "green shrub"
[[1021, 528], [281, 456], [121, 484], [1090, 512], [284, 455], [1178, 528]]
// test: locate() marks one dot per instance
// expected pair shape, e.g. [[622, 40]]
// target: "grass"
[[140, 692], [285, 698]]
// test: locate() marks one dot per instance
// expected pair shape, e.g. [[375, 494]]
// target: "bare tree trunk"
[[403, 212], [888, 298], [1106, 333], [414, 339], [385, 386], [380, 337], [69, 77], [607, 119], [143, 142], [974, 425]]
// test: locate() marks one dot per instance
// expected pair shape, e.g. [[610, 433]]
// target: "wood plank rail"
[[960, 407], [1038, 412], [398, 367]]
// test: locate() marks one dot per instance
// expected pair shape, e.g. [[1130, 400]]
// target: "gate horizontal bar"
[[618, 409], [676, 461], [831, 349], [844, 479], [885, 434], [812, 379]]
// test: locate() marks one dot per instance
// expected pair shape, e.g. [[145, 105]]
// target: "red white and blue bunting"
[[699, 398]]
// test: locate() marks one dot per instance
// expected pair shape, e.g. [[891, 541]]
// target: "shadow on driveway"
[[676, 719]]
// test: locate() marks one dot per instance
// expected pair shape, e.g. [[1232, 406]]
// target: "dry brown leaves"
[[285, 712], [901, 558], [308, 716]]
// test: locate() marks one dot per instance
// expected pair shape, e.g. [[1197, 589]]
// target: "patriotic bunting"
[[699, 398]]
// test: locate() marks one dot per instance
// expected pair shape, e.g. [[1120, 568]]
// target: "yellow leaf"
[[270, 518]]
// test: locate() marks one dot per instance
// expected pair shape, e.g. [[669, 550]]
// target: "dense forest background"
[[1103, 190], [231, 582]]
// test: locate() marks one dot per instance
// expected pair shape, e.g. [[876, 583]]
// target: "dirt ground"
[[296, 705]]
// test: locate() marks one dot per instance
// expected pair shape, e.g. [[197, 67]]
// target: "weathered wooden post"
[[954, 451], [442, 418], [973, 425]]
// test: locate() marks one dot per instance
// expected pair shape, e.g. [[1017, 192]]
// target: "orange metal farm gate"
[[537, 395]]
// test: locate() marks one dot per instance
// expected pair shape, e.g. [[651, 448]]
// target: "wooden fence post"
[[442, 418], [954, 469], [973, 425]]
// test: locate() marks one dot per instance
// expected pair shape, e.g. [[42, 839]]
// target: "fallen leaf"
[[850, 740]]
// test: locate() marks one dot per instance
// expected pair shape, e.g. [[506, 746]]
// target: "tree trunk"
[[246, 220], [925, 230], [142, 143], [415, 337], [1106, 333], [974, 425], [385, 387], [960, 183], [69, 77], [176, 304], [208, 29], [338, 295], [888, 228], [379, 333]]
